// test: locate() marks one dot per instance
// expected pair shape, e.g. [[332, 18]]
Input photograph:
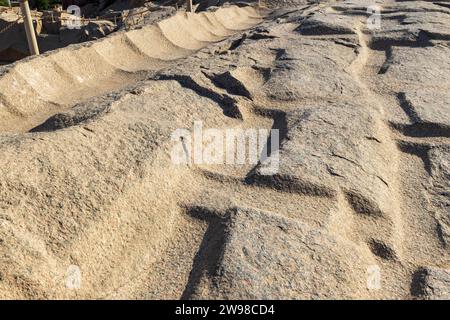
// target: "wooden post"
[[189, 6], [9, 3], [29, 28]]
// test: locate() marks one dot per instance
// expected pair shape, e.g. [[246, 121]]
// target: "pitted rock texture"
[[356, 207]]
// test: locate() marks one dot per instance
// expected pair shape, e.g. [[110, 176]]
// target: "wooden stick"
[[189, 7], [29, 28]]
